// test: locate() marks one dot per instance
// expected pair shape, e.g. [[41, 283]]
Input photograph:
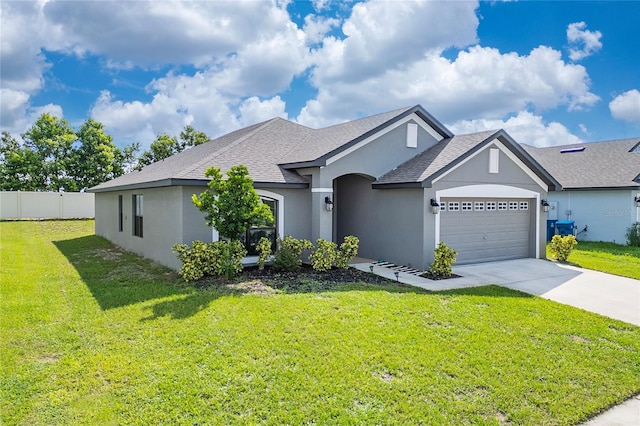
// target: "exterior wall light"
[[637, 200], [435, 207], [328, 204], [545, 205]]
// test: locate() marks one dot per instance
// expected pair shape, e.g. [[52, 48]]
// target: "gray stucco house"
[[601, 186], [400, 181]]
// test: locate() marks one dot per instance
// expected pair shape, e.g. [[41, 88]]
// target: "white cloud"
[[481, 82], [525, 127], [626, 106], [316, 27], [582, 42], [253, 110], [391, 35]]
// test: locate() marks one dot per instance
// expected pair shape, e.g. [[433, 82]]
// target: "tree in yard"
[[51, 139], [190, 137], [232, 205], [17, 165], [164, 146], [95, 159]]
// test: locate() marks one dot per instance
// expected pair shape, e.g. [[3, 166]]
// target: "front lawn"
[[606, 257], [90, 334]]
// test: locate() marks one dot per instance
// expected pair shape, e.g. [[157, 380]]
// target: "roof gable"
[[429, 166]]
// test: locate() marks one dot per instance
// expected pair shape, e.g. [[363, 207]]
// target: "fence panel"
[[46, 205]]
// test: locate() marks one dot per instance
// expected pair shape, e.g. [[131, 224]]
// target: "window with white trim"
[[443, 207], [467, 206], [454, 206], [267, 229], [491, 205], [513, 205], [502, 205], [478, 206], [524, 205]]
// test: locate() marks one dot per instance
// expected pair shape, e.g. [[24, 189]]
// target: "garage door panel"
[[486, 235]]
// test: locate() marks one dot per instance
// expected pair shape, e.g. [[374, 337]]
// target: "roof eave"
[[192, 182]]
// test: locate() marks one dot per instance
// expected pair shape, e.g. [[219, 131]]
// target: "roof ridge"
[[259, 128]]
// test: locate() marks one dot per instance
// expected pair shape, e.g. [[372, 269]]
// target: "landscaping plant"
[[264, 251], [222, 258], [232, 206], [348, 250], [561, 247], [444, 257], [324, 255], [288, 256], [633, 235]]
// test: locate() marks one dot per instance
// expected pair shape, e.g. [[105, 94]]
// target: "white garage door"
[[484, 230]]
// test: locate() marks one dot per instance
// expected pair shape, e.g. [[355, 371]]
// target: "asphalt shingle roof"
[[608, 164], [433, 160], [265, 148]]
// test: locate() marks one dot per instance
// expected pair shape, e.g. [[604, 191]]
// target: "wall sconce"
[[435, 207], [545, 205], [328, 204], [637, 200]]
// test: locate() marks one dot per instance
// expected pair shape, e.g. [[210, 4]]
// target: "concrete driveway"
[[605, 294]]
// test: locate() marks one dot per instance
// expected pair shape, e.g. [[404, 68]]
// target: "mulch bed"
[[305, 280]]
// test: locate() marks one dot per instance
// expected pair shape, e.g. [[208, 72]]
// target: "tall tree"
[[18, 165], [190, 137], [164, 146], [51, 139], [95, 160]]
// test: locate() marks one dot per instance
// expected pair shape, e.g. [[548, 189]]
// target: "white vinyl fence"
[[46, 205]]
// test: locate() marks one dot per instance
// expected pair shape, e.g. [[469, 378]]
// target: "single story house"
[[601, 186], [400, 181]]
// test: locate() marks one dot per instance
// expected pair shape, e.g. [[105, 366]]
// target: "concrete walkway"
[[605, 294]]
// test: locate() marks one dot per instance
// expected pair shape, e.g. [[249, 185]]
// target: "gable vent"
[[576, 149]]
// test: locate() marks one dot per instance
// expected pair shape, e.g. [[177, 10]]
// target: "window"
[[443, 207], [494, 160], [524, 205], [267, 229], [478, 206], [120, 217], [467, 206], [137, 215], [513, 205], [491, 205], [502, 205], [454, 206]]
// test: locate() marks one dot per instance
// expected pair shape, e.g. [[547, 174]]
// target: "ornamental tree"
[[231, 205]]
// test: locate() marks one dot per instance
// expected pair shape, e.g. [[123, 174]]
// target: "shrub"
[[561, 247], [324, 255], [196, 260], [348, 250], [444, 257], [203, 259], [288, 256], [633, 235], [264, 251], [227, 258]]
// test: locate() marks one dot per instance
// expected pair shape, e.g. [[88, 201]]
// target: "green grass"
[[606, 257], [90, 334]]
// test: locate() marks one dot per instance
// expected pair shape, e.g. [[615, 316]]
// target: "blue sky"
[[550, 73]]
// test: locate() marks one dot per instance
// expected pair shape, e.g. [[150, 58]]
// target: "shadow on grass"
[[118, 278]]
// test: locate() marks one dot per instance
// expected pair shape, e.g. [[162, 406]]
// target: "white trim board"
[[384, 131]]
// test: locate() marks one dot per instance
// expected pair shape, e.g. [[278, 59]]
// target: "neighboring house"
[[600, 181], [378, 178]]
